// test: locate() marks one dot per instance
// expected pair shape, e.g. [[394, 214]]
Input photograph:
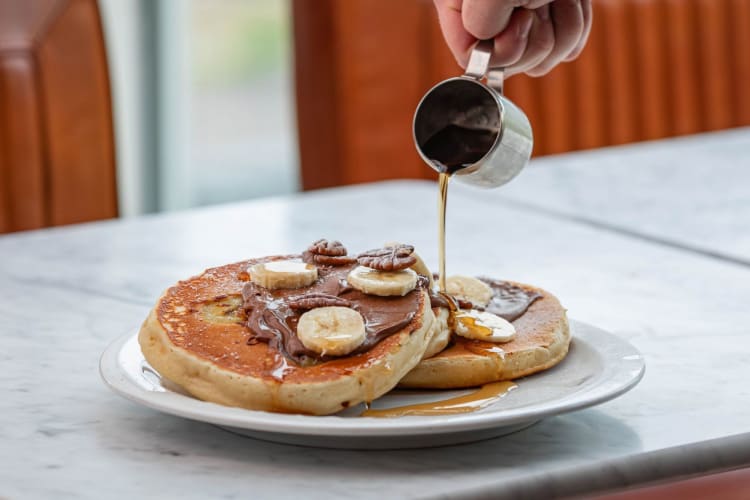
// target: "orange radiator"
[[652, 69]]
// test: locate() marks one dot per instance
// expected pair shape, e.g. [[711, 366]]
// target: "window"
[[203, 94], [241, 110]]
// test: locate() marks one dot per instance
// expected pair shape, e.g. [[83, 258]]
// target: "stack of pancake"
[[321, 331]]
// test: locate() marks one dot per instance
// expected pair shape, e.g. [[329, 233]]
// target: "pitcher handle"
[[479, 66]]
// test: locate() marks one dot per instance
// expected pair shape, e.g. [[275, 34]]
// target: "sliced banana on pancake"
[[331, 330], [485, 326], [475, 291], [382, 283], [421, 268], [278, 274]]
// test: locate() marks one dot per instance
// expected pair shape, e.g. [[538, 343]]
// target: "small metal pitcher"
[[469, 129]]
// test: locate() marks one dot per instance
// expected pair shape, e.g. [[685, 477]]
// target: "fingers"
[[530, 36], [588, 15], [458, 39], [485, 19], [567, 18], [510, 45], [540, 43]]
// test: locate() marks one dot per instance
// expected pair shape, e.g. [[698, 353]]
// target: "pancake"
[[198, 337], [542, 340], [441, 332]]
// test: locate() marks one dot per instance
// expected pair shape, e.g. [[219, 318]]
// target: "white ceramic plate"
[[599, 367]]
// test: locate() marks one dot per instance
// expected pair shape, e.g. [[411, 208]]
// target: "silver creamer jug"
[[467, 128]]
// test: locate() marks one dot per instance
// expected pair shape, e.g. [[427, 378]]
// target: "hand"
[[531, 36]]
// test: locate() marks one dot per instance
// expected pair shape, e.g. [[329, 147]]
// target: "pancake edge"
[[210, 382], [471, 369]]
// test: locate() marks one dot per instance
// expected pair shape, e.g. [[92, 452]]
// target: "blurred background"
[[124, 107], [216, 93]]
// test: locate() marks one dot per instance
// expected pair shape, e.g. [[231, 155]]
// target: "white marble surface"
[[690, 191], [66, 293]]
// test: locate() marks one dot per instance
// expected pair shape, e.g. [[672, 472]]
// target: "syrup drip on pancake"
[[474, 401], [271, 319], [471, 346], [508, 301]]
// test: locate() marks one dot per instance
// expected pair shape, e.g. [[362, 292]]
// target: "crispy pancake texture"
[[542, 340], [196, 337]]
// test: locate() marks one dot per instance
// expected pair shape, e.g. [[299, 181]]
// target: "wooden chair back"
[[57, 163]]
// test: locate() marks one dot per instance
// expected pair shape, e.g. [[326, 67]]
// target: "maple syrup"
[[474, 401], [442, 204]]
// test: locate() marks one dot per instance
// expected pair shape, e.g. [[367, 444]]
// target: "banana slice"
[[283, 274], [475, 291], [382, 283], [419, 267], [482, 325], [331, 330]]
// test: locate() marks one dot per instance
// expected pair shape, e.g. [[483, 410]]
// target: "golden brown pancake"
[[197, 337], [541, 341]]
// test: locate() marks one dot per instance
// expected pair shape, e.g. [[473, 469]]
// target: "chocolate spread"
[[271, 319], [508, 301]]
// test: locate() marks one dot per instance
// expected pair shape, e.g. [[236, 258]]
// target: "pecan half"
[[314, 300], [328, 260], [393, 258], [325, 247], [327, 253]]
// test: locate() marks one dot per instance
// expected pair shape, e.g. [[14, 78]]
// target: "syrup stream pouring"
[[466, 128]]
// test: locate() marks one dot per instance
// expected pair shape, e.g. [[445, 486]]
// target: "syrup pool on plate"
[[474, 401]]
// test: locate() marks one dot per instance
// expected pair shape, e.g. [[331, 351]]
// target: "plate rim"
[[614, 383]]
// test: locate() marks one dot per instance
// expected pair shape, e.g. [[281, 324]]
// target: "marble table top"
[[690, 193], [65, 293]]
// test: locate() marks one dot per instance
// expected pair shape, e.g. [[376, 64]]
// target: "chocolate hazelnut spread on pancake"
[[272, 319], [509, 301]]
